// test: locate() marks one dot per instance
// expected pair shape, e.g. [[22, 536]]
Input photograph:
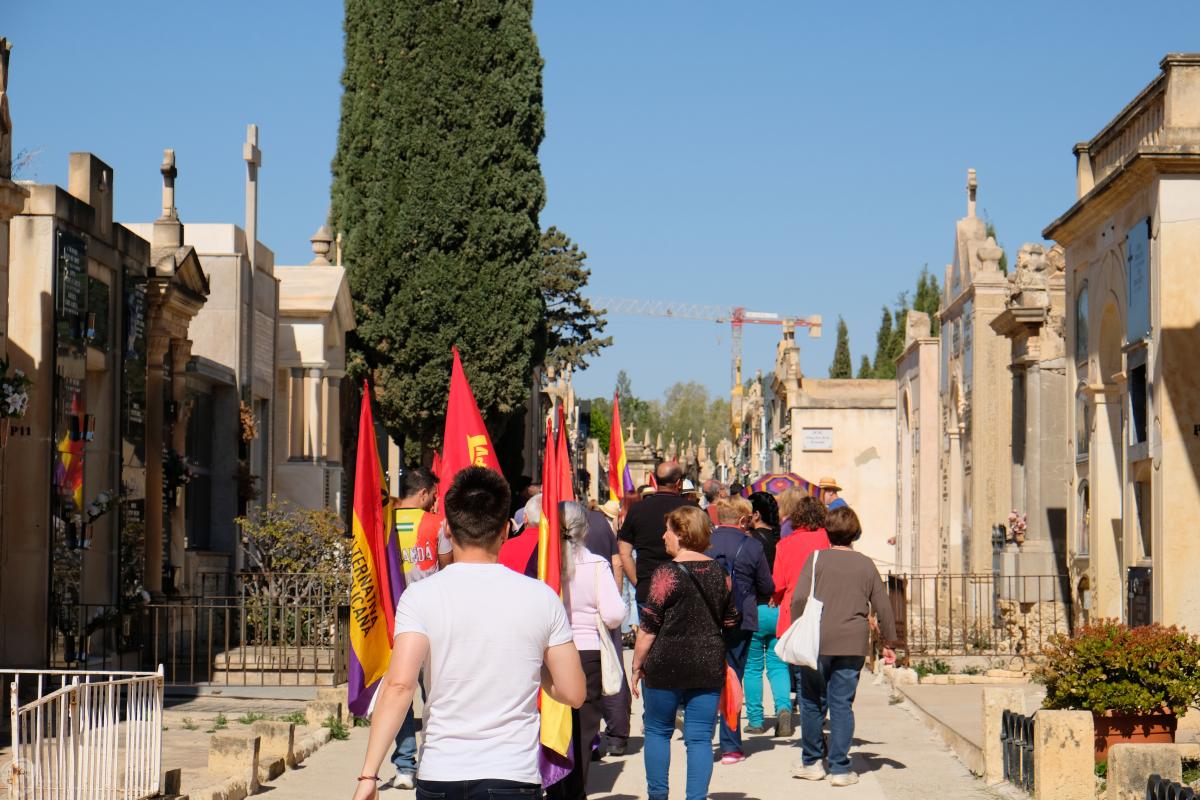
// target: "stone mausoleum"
[[1132, 248]]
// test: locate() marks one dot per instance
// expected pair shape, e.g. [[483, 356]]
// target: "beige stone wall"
[[861, 418], [919, 443]]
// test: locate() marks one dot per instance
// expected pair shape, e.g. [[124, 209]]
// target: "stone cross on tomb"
[[169, 173], [253, 158], [631, 431], [972, 185]]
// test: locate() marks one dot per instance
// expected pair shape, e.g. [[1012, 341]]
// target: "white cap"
[[688, 486]]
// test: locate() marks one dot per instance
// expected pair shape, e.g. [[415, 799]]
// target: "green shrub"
[[251, 717], [337, 728], [296, 718], [934, 666], [1108, 666]]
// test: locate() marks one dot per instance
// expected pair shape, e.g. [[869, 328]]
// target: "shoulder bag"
[[612, 671], [801, 642], [731, 693]]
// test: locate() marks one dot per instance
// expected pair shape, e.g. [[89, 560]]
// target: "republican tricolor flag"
[[374, 588], [556, 757], [620, 483]]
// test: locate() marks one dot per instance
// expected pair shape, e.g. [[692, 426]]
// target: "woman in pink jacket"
[[589, 591]]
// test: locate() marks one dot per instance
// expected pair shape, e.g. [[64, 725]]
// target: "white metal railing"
[[98, 736]]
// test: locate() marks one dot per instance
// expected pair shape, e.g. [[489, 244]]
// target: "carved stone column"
[[157, 348], [181, 353], [313, 415], [333, 419]]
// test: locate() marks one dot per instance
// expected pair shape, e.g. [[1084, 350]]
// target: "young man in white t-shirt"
[[488, 638]]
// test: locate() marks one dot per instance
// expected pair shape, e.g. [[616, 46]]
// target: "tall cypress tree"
[[437, 190], [842, 367], [884, 366]]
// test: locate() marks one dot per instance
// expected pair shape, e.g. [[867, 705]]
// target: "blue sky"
[[793, 157]]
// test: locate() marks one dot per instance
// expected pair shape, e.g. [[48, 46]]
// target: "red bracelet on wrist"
[[368, 777]]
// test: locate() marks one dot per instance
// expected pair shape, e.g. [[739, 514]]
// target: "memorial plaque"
[[817, 439], [1137, 267], [96, 328]]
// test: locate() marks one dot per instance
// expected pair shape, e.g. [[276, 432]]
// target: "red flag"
[[562, 462], [465, 442]]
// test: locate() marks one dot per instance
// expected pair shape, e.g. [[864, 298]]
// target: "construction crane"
[[737, 317]]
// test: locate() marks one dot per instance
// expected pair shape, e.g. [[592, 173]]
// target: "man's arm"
[[627, 561], [392, 703], [562, 675]]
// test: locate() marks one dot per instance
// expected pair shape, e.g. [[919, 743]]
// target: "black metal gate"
[[1016, 742], [1159, 788]]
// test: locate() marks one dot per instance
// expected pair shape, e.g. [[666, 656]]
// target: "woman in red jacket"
[[808, 522]]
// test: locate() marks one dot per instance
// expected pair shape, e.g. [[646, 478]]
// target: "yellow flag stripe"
[[556, 725], [368, 635]]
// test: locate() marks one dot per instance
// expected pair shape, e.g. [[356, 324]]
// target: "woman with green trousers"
[[765, 527]]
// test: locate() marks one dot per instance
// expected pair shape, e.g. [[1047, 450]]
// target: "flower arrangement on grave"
[[99, 506], [779, 445], [14, 392], [1018, 524], [249, 423]]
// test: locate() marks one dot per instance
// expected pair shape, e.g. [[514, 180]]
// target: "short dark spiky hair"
[[477, 506], [416, 479]]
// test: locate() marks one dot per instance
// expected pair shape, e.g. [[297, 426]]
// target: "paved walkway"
[[896, 755]]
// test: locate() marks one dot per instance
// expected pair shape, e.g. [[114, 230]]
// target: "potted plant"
[[1135, 681]]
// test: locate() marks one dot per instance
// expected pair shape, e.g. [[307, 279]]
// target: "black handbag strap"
[[703, 597]]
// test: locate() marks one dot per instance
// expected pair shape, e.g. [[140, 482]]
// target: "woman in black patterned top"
[[680, 652]]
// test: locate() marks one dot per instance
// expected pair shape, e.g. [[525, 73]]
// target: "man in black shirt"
[[645, 525]]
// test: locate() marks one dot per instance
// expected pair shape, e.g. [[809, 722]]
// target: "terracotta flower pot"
[[1132, 729]]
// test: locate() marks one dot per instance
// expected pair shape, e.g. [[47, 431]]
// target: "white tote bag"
[[801, 642], [612, 671]]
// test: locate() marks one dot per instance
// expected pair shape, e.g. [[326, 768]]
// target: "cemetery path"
[[895, 755]]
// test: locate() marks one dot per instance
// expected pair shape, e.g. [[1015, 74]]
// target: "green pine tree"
[[842, 367], [573, 327], [864, 368], [928, 297], [884, 365], [437, 190]]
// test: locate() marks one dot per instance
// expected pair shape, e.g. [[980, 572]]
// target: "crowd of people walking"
[[705, 581]]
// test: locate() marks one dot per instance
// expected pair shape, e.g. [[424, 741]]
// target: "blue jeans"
[[737, 647], [491, 789], [699, 719], [831, 687], [405, 754], [762, 655]]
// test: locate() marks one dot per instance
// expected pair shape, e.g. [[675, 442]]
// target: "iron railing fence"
[[265, 639], [1160, 788], [979, 614], [98, 736], [1016, 745]]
